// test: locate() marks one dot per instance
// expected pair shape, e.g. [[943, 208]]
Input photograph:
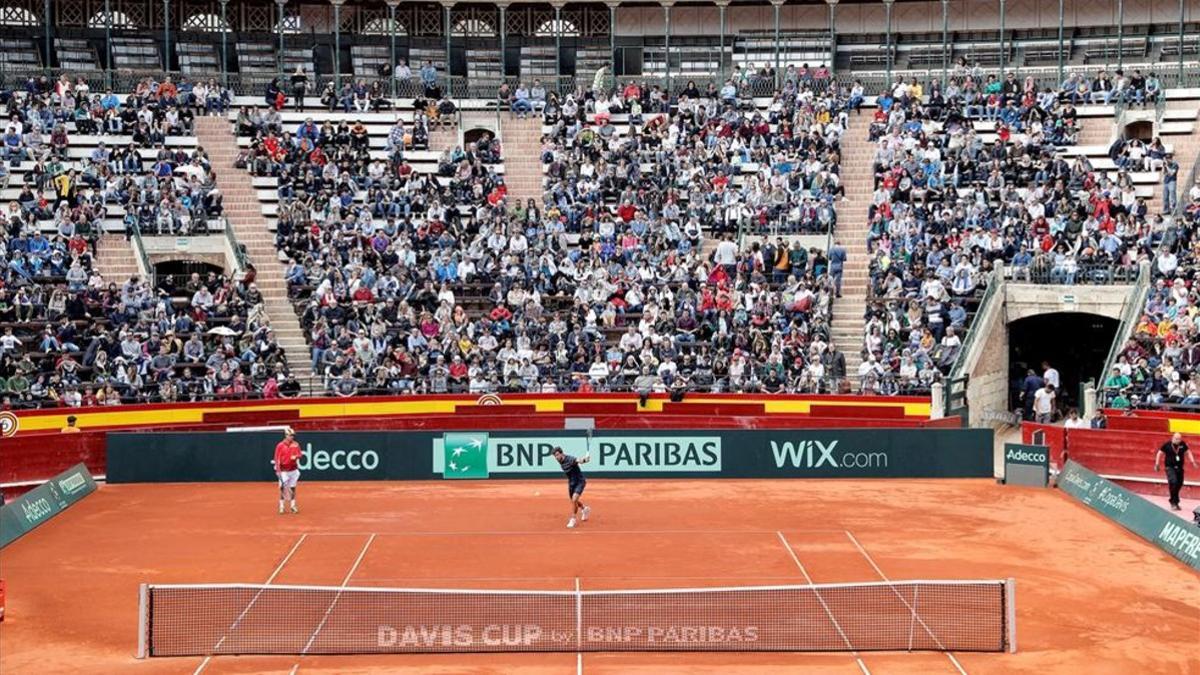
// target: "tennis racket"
[[587, 452]]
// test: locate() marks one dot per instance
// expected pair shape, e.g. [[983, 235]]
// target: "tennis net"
[[191, 620]]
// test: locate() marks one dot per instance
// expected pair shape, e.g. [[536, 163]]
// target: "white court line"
[[921, 621], [232, 626], [336, 597], [577, 532], [862, 666]]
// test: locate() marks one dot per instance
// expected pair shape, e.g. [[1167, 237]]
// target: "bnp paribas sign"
[[479, 455]]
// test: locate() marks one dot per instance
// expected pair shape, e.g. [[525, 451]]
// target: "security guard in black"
[[1170, 456]]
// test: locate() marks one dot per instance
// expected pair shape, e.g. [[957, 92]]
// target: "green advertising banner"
[[42, 503], [1174, 535], [531, 455], [800, 453], [1026, 465]]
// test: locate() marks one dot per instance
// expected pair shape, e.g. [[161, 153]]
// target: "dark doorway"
[[1074, 343], [173, 275], [473, 135], [1143, 130]]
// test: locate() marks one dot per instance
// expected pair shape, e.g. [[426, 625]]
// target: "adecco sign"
[[1026, 465], [338, 460], [179, 457]]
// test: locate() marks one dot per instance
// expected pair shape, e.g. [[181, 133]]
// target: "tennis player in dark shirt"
[[575, 483]]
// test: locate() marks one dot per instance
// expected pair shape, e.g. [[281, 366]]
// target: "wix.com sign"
[[819, 455]]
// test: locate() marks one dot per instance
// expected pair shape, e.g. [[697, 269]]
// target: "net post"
[[1010, 612], [912, 625], [578, 617], [143, 619]]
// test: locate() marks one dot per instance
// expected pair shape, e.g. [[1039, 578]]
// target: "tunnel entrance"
[[1074, 343], [173, 274]]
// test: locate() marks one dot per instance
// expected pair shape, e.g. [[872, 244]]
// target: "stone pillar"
[[447, 5], [666, 5], [612, 35], [337, 44], [558, 5], [502, 6], [391, 5], [832, 35], [937, 401], [280, 62], [108, 40], [887, 6], [722, 5], [775, 5], [166, 36]]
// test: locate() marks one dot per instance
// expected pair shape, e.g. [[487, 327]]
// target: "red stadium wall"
[[31, 457], [901, 409], [1117, 452], [39, 457]]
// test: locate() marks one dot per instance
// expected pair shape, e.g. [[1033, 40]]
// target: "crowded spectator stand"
[[90, 163]]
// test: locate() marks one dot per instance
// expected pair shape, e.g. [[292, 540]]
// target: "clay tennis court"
[[1089, 595]]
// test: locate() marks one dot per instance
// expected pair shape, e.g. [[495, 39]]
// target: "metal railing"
[[241, 259], [139, 249], [314, 386], [1073, 274], [485, 87], [1129, 316], [968, 340], [888, 384]]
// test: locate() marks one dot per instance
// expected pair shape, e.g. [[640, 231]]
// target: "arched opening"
[[1143, 130], [473, 135], [551, 27], [206, 23], [384, 26], [474, 27], [18, 16], [173, 275], [120, 20], [1077, 358], [290, 25]]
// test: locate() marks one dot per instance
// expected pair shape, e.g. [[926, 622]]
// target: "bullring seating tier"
[[1145, 182], [379, 125], [81, 147]]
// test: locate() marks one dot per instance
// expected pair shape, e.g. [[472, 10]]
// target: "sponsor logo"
[[1112, 497], [702, 454], [475, 455], [450, 635], [816, 454], [36, 509], [489, 399], [1181, 539], [9, 424], [671, 634], [72, 484], [338, 460], [465, 455], [440, 636], [1078, 480], [1016, 454]]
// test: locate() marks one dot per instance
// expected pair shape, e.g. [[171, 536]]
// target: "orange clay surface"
[[1091, 598]]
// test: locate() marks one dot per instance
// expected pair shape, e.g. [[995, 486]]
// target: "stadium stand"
[[90, 164], [969, 175], [731, 192]]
